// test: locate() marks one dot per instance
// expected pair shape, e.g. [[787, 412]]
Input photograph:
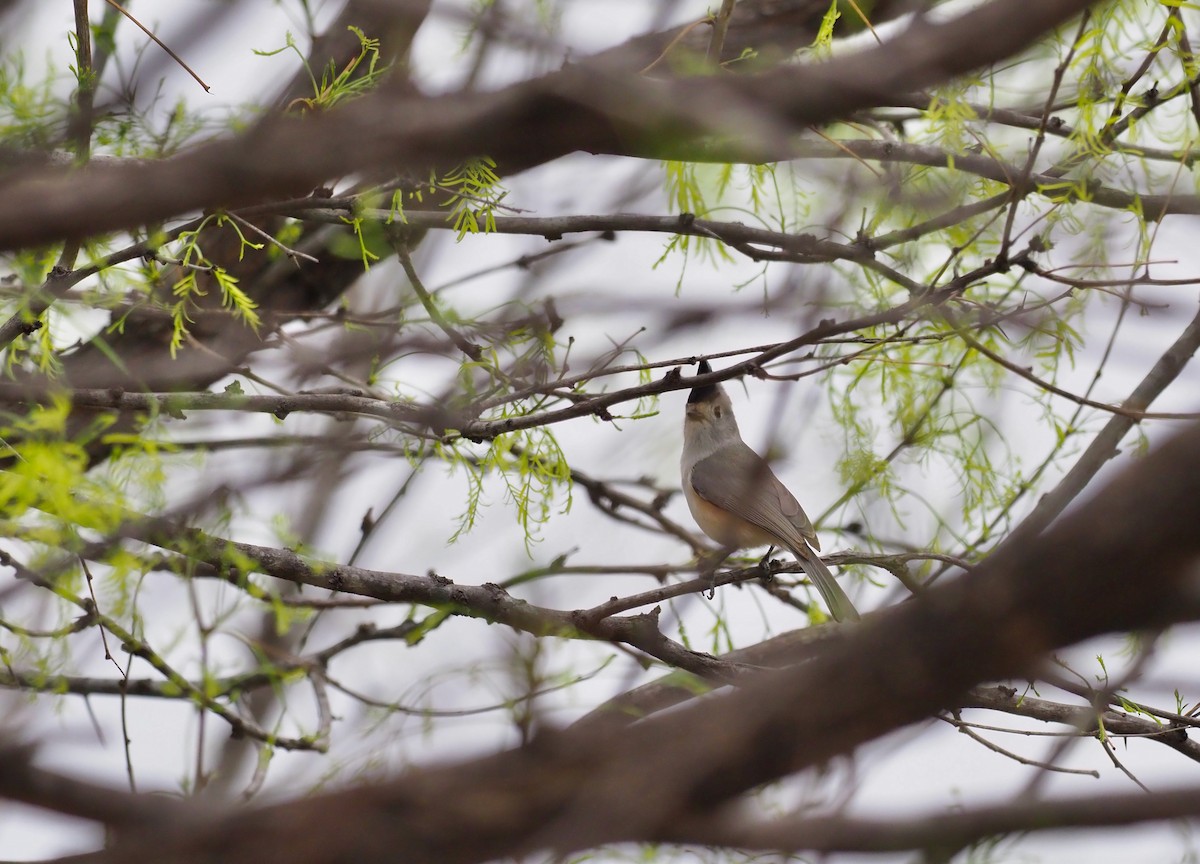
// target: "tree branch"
[[573, 790], [943, 830], [579, 108]]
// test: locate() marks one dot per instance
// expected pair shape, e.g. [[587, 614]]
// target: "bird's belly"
[[723, 526]]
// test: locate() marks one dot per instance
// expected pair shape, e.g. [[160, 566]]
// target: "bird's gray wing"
[[737, 479]]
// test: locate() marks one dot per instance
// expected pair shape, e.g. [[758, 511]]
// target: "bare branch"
[[592, 109]]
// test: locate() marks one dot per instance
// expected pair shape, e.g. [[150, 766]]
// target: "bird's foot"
[[767, 566]]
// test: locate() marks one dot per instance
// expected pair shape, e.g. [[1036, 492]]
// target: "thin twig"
[[461, 342], [287, 250], [965, 729], [160, 44]]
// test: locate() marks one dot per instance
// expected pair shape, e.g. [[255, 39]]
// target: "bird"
[[737, 500]]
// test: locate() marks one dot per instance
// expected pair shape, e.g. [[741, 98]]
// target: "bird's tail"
[[839, 604]]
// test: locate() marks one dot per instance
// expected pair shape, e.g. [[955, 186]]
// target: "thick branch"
[[21, 781], [573, 790], [950, 830], [579, 108]]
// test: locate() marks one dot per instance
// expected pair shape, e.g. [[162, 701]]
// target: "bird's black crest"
[[708, 391]]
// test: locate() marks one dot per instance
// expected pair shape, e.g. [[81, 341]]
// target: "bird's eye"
[[718, 411]]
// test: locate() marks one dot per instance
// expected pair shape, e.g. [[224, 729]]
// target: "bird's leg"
[[766, 565], [708, 569]]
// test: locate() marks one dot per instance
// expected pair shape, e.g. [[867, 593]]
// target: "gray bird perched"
[[737, 500]]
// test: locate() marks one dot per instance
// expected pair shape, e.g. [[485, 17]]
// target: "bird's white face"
[[708, 423], [711, 410], [697, 412]]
